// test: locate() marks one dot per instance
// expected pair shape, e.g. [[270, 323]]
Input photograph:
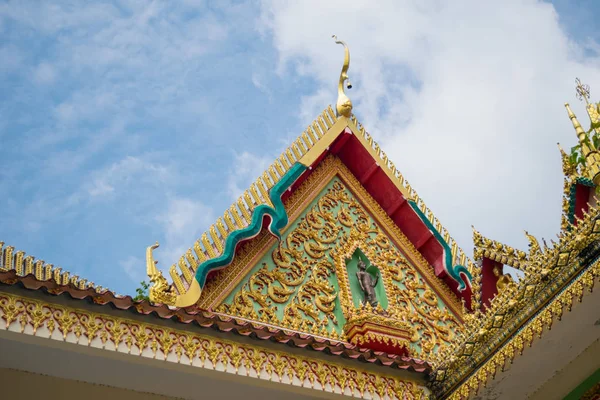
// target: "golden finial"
[[568, 168], [578, 129], [343, 105], [534, 246], [582, 90], [588, 151]]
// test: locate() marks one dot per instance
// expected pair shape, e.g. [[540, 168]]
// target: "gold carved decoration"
[[226, 280], [296, 293], [160, 292], [410, 299], [497, 251], [238, 216], [27, 265], [554, 280], [504, 280], [367, 325], [41, 319]]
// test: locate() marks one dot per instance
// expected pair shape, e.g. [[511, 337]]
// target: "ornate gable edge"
[[555, 281], [228, 279], [305, 150]]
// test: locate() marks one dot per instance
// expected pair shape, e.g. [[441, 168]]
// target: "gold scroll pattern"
[[41, 319], [410, 298], [300, 273], [299, 290]]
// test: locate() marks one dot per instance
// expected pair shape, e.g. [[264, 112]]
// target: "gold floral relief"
[[410, 299], [302, 283]]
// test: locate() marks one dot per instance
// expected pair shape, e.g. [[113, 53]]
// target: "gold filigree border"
[[534, 328], [41, 319], [314, 184]]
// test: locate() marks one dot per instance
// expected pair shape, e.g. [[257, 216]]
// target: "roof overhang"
[[557, 362]]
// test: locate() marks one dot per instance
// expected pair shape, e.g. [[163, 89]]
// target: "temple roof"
[[346, 139], [56, 285]]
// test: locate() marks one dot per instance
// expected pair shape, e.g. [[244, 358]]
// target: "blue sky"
[[124, 123]]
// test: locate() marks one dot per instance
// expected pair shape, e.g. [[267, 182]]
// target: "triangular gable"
[[308, 282], [261, 205]]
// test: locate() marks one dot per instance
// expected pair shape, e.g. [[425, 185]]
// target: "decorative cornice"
[[81, 327], [497, 251], [23, 265], [214, 321], [520, 312]]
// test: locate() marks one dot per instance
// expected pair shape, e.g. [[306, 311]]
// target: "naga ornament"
[[160, 292]]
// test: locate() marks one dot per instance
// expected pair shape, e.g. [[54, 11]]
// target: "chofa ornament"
[[343, 106]]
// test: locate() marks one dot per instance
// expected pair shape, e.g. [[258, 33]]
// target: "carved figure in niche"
[[367, 284], [503, 279]]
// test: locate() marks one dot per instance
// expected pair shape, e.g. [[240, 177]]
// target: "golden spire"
[[343, 106], [592, 158], [578, 129]]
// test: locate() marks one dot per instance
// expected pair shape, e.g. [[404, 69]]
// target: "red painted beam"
[[364, 178], [339, 143], [423, 240], [488, 281], [393, 210], [582, 196]]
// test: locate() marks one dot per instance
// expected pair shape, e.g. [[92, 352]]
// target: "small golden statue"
[[503, 281]]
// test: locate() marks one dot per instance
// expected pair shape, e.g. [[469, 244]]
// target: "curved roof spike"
[[343, 106]]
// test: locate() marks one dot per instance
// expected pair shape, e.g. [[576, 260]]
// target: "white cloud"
[[313, 105], [258, 82], [183, 223], [134, 268], [247, 168], [11, 57], [44, 73], [126, 173], [466, 98]]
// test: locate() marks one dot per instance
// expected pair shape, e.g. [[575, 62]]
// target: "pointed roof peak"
[[343, 106]]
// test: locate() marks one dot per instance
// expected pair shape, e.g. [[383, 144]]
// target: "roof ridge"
[[239, 216], [27, 265]]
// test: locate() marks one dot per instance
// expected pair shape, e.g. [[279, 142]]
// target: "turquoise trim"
[[277, 215], [453, 271]]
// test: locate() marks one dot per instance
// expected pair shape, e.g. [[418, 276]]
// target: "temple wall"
[[21, 385]]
